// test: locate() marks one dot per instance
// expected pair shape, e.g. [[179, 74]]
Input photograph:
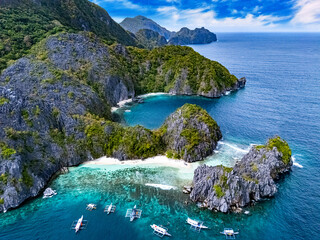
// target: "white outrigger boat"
[[79, 224], [229, 233], [196, 225], [160, 231], [91, 206], [110, 209], [133, 213]]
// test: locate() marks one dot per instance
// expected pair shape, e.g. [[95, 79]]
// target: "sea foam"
[[161, 186]]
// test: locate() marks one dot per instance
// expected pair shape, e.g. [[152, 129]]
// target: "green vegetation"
[[1, 201], [58, 136], [20, 29], [55, 112], [25, 23], [281, 145], [250, 179], [254, 167], [17, 135], [258, 147], [25, 116], [192, 136], [173, 62], [219, 191], [26, 178], [36, 111], [201, 115], [71, 95], [105, 137], [4, 178], [3, 100], [6, 152]]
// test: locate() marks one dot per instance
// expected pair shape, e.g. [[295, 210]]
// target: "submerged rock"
[[251, 179]]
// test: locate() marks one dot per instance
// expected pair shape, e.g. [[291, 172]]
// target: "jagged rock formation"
[[251, 179], [190, 133], [140, 22], [197, 36], [150, 39]]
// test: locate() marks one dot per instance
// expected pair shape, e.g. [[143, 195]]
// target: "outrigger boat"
[[160, 231], [133, 213], [91, 206], [110, 209], [196, 225], [79, 224], [229, 233]]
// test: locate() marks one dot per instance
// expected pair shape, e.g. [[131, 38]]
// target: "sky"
[[222, 15]]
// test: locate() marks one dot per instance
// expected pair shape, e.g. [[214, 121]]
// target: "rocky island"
[[197, 36], [183, 37], [253, 178]]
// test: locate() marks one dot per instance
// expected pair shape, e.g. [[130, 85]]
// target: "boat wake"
[[161, 186], [295, 163], [235, 147]]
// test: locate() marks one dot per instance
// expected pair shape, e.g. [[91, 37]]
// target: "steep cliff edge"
[[251, 179], [190, 133]]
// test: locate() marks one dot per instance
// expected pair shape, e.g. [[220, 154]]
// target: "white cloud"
[[173, 1], [206, 17], [123, 3], [256, 9], [308, 12]]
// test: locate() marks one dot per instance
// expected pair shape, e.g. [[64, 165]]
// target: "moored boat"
[[229, 233], [196, 223], [79, 224], [160, 230]]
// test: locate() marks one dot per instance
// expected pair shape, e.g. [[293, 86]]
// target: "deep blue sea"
[[282, 97]]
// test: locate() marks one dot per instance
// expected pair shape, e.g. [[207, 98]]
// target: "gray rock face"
[[251, 179], [190, 133]]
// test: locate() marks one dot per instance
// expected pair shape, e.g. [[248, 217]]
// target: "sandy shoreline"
[[158, 161], [124, 102]]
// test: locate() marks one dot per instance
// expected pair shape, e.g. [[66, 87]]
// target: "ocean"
[[282, 97]]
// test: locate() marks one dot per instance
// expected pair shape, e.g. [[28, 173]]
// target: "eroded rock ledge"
[[251, 179]]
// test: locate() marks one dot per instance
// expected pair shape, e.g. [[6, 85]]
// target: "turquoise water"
[[281, 97]]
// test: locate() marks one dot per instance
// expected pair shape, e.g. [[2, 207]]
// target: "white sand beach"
[[157, 161]]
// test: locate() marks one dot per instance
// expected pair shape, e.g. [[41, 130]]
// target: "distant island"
[[183, 37]]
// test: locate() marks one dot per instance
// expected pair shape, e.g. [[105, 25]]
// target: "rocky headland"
[[253, 178], [58, 84]]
